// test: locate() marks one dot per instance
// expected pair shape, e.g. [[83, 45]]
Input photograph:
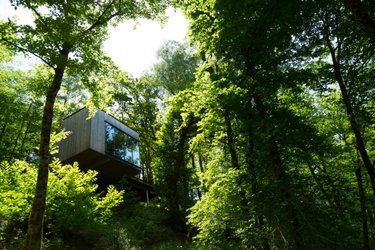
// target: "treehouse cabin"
[[104, 144]]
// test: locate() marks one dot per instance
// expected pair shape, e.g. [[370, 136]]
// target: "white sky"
[[132, 48]]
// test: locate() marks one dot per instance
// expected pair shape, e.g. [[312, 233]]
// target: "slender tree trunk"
[[360, 144], [200, 162], [335, 203], [24, 138], [35, 226], [282, 178], [334, 192], [202, 170], [251, 169], [362, 18], [177, 184], [3, 129], [20, 131], [4, 126], [194, 167], [2, 135], [230, 141], [147, 165], [277, 167], [362, 199], [370, 216], [245, 211]]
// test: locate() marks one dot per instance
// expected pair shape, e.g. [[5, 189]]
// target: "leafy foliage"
[[73, 205]]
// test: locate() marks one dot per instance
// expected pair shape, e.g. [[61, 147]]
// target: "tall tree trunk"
[[360, 144], [336, 195], [282, 178], [3, 129], [336, 204], [230, 141], [20, 131], [177, 184], [259, 220], [195, 167], [202, 170], [277, 167], [24, 138], [362, 18], [362, 199], [2, 135], [35, 226], [200, 162], [147, 166]]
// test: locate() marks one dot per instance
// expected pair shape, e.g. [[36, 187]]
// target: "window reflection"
[[121, 145]]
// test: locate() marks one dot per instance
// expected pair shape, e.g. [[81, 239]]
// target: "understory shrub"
[[73, 205]]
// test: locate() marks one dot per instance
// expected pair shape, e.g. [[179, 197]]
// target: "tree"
[[66, 37], [163, 131], [351, 67], [136, 104], [240, 34], [172, 175], [175, 68], [20, 105], [264, 50], [351, 57]]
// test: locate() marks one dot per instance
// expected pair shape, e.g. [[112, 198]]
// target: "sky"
[[132, 46]]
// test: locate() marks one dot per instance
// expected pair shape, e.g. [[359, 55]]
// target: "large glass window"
[[121, 145]]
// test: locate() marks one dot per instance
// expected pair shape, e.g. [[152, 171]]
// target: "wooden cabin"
[[104, 144]]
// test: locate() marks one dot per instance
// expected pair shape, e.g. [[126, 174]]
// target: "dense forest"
[[259, 133]]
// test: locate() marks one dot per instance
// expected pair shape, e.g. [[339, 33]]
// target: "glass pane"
[[121, 145]]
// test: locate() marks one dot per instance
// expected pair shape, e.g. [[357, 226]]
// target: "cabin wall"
[[79, 139], [97, 135]]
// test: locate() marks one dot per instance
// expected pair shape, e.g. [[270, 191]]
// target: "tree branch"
[[27, 51], [99, 20], [40, 17]]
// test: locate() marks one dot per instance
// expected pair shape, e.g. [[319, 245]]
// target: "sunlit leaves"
[[72, 201]]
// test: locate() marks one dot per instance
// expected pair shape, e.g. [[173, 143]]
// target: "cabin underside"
[[110, 170]]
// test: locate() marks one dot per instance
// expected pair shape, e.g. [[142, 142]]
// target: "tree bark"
[[177, 184], [336, 195], [230, 141], [20, 132], [259, 220], [2, 135], [200, 162], [24, 138], [195, 167], [360, 144], [277, 167], [282, 178], [362, 18], [335, 202], [362, 199], [35, 227]]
